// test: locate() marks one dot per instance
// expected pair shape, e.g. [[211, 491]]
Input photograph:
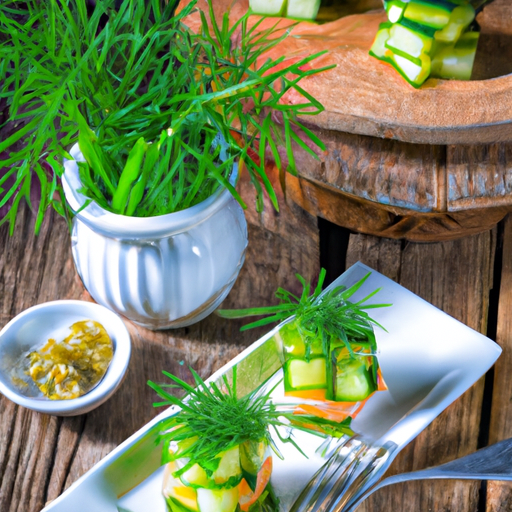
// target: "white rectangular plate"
[[428, 359]]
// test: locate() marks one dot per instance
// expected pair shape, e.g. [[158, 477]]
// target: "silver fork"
[[354, 466], [348, 477], [490, 463]]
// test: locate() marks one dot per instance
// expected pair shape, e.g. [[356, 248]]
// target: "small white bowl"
[[35, 326]]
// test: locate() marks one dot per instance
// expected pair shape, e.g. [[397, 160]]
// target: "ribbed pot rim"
[[122, 226]]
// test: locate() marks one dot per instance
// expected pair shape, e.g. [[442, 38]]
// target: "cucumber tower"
[[329, 347], [233, 479], [427, 38], [218, 448]]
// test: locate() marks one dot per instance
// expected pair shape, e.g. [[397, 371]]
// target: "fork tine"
[[354, 466], [314, 494]]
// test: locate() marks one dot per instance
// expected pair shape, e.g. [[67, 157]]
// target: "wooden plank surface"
[[499, 494], [455, 276], [40, 455]]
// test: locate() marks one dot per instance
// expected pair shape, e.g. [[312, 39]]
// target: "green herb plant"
[[213, 419], [328, 316], [160, 113]]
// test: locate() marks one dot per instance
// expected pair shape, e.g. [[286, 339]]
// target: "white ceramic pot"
[[160, 272]]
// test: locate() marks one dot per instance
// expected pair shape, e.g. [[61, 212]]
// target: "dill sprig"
[[213, 420], [326, 316], [146, 99]]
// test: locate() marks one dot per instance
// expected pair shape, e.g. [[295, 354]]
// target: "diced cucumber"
[[434, 14], [175, 506], [353, 381], [395, 10], [195, 477], [174, 488], [217, 500], [185, 444], [378, 48], [302, 9], [300, 374], [456, 61], [268, 7], [413, 72], [408, 43], [252, 455], [460, 20], [229, 467], [293, 343]]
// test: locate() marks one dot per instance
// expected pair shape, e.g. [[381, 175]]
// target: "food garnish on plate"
[[328, 347], [218, 448]]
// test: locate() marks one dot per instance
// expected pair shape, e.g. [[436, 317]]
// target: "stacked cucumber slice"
[[217, 448], [328, 371], [328, 346], [427, 38], [232, 485], [298, 9]]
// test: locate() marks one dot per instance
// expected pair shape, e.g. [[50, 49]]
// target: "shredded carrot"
[[310, 394], [247, 497], [381, 385], [332, 411]]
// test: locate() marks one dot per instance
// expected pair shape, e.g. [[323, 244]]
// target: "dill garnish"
[[326, 317], [147, 100], [213, 420]]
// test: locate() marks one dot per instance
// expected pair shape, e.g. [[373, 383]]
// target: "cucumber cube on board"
[[434, 14], [409, 43], [378, 48], [460, 19], [268, 7], [303, 9], [395, 10], [427, 37], [413, 72], [456, 61]]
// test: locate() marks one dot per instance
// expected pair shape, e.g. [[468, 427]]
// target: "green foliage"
[[213, 420], [328, 317], [160, 113]]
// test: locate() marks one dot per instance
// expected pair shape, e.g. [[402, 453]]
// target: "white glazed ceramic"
[[428, 359], [160, 272], [35, 326]]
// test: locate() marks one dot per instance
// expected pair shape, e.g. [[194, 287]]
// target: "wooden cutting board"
[[365, 96]]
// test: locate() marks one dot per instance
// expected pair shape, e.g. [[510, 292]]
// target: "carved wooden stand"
[[425, 164]]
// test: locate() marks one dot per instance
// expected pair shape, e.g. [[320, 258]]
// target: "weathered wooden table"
[[471, 279]]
